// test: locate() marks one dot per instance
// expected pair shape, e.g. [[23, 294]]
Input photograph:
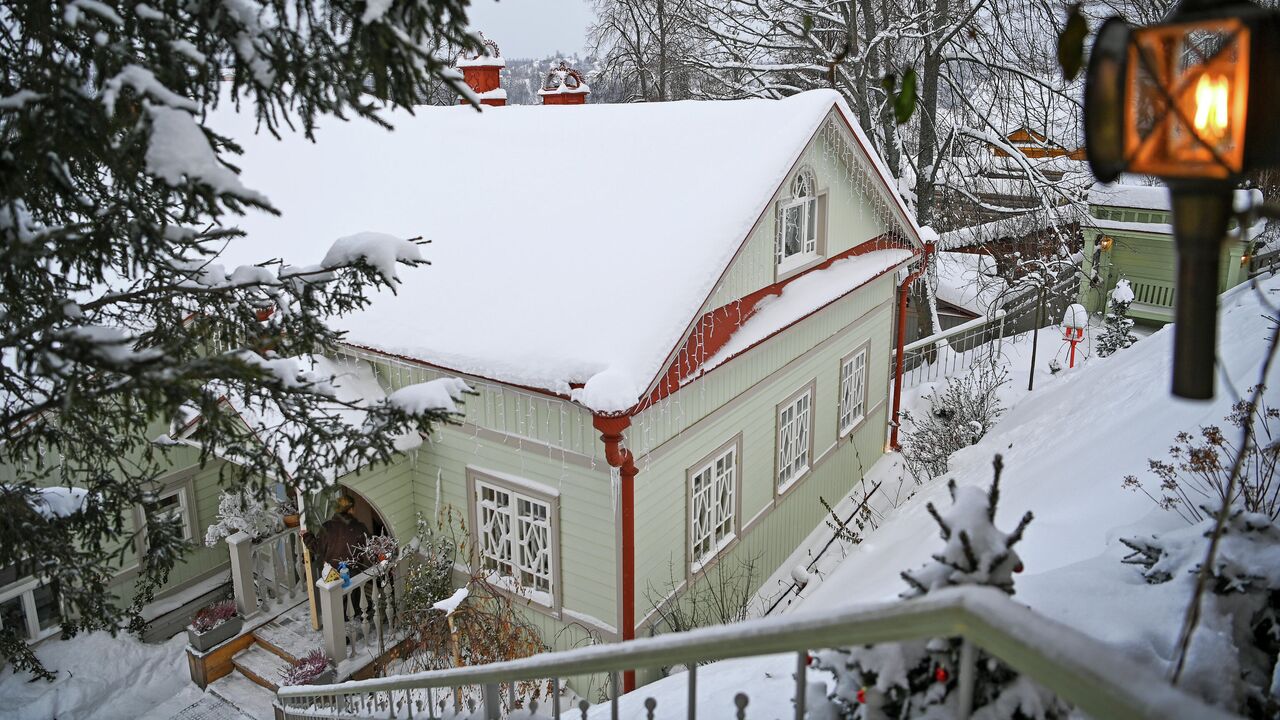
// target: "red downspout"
[[611, 428], [902, 341]]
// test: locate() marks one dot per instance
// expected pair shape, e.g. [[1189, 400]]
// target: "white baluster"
[[240, 548], [334, 628]]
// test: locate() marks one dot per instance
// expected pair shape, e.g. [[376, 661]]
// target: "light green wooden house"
[[1128, 234], [677, 317]]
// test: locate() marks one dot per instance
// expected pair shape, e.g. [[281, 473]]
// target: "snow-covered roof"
[[969, 281], [525, 287], [1154, 197]]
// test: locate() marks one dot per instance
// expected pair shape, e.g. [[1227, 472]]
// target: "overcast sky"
[[533, 28]]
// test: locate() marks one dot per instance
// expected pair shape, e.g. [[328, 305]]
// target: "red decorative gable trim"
[[712, 331]]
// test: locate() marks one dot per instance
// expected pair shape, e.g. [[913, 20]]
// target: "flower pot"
[[206, 641], [328, 677], [292, 520]]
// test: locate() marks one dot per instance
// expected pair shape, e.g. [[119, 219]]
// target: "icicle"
[[439, 484], [615, 488]]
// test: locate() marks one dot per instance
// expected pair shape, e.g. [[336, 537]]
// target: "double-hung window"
[[795, 420], [798, 217], [515, 535], [30, 606], [853, 390], [173, 504], [713, 492]]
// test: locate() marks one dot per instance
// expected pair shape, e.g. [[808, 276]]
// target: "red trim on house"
[[713, 330], [611, 428]]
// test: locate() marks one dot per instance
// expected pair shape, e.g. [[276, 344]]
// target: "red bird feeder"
[[1074, 321]]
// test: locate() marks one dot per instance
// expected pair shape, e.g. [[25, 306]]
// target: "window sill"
[[781, 490], [797, 264], [709, 560], [853, 426]]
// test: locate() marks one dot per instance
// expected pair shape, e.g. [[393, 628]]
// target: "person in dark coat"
[[339, 540]]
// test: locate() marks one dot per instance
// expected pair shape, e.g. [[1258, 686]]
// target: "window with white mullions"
[[515, 540], [794, 427], [712, 506], [798, 216], [31, 608], [853, 390], [173, 504]]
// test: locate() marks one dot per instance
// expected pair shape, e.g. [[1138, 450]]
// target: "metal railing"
[[1082, 671]]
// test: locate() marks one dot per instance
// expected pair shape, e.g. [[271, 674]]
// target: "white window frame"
[[722, 525], [517, 490], [794, 438], [803, 202], [25, 589], [853, 390], [184, 493]]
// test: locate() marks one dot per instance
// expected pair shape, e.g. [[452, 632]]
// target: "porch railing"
[[364, 616], [1092, 676], [267, 575]]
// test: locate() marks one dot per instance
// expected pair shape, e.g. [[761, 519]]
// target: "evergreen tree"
[[1117, 335], [919, 679], [115, 317]]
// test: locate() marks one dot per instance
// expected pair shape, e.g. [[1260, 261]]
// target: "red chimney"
[[564, 86], [482, 71]]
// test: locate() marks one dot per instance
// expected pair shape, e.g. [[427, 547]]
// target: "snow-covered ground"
[[100, 678], [1067, 446]]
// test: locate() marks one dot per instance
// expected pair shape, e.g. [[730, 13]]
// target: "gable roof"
[[571, 246]]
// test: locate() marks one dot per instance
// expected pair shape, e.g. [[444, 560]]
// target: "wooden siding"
[[851, 218], [772, 372]]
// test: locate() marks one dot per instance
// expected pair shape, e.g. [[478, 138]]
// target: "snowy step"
[[211, 707], [251, 699], [290, 636], [260, 665]]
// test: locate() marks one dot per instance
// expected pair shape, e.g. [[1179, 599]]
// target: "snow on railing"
[[1085, 672], [267, 575]]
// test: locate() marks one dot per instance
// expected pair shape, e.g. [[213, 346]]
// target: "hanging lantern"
[[1190, 100], [1105, 242]]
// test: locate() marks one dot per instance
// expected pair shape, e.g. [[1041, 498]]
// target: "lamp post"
[[1190, 100]]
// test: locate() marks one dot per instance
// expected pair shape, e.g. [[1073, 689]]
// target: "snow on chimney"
[[482, 71], [564, 86]]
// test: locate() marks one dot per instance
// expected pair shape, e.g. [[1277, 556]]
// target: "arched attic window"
[[798, 221]]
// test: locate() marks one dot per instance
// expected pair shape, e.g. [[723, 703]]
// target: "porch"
[[356, 625]]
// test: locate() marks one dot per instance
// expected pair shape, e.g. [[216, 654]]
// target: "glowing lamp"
[[1191, 100], [1105, 243]]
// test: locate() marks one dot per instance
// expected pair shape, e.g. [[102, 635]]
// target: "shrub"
[[305, 669], [1199, 470], [243, 512], [211, 616], [958, 417]]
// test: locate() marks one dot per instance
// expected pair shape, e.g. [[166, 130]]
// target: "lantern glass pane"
[[1185, 111]]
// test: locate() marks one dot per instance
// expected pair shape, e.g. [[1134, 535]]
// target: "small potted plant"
[[313, 668], [213, 625], [288, 510]]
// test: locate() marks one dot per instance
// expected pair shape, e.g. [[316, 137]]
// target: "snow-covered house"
[[678, 318], [1128, 234]]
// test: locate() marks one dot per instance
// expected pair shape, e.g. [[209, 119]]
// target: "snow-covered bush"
[[243, 512], [1235, 646], [958, 417], [1117, 335], [919, 678], [1199, 469], [305, 669], [211, 616]]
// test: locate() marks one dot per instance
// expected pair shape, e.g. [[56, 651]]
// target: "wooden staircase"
[[250, 688]]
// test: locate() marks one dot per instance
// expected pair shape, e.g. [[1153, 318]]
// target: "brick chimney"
[[564, 86], [482, 71]]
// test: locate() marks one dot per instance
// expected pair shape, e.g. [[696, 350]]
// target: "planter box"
[[206, 641], [328, 677]]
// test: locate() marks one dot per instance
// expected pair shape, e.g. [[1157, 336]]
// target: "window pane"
[[13, 616], [791, 232], [811, 226], [47, 611]]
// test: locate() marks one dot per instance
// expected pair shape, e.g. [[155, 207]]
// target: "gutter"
[[611, 428], [902, 339]]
